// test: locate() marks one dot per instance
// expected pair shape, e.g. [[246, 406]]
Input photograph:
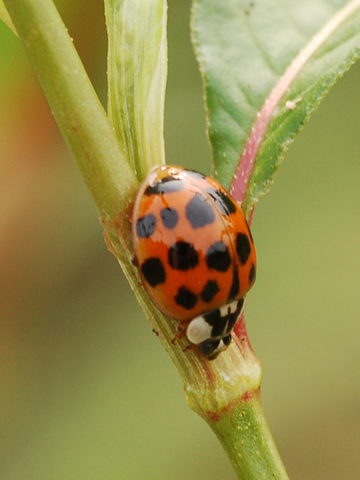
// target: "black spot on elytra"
[[209, 291], [223, 201], [218, 257], [199, 212], [153, 271], [166, 185], [252, 274], [235, 286], [145, 226], [185, 298], [170, 217], [183, 256], [243, 247]]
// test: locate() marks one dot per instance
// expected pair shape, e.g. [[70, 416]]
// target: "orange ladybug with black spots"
[[195, 254]]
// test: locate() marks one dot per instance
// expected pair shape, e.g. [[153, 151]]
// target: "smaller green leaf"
[[137, 69], [4, 16]]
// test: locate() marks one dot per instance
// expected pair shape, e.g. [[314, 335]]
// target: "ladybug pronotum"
[[195, 254]]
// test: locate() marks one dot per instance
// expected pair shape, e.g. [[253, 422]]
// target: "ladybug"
[[195, 254]]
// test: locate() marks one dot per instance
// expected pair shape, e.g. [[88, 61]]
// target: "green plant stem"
[[245, 436], [74, 103]]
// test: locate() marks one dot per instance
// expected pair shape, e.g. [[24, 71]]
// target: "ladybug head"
[[211, 332], [211, 348]]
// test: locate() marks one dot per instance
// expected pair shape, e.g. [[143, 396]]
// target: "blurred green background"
[[86, 390]]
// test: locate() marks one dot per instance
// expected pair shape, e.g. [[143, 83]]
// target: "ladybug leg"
[[180, 332], [135, 261], [190, 348]]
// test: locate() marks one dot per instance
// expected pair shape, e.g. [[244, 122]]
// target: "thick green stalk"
[[246, 438], [74, 103]]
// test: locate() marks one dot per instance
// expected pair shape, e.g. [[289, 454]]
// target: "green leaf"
[[137, 69], [5, 17], [266, 66]]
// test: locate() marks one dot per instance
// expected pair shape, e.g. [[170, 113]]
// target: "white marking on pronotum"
[[229, 308], [198, 330]]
